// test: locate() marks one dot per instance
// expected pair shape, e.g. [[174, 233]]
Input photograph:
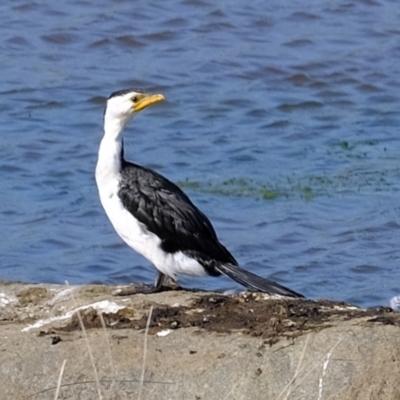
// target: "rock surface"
[[197, 346]]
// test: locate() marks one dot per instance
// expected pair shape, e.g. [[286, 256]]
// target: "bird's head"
[[123, 105]]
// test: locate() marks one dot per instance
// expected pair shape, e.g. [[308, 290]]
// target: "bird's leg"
[[161, 284], [161, 280]]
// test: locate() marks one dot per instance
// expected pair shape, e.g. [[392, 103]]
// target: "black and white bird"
[[154, 216]]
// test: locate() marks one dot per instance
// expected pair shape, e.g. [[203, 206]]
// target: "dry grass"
[[114, 383], [60, 380], [145, 353], [82, 326], [308, 369], [288, 386], [114, 392], [312, 368]]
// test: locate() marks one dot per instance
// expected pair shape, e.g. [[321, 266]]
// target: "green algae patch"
[[348, 181], [268, 194], [239, 187]]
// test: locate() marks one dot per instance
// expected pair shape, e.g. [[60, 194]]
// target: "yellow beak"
[[148, 100]]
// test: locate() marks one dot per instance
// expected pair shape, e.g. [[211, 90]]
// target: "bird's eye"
[[135, 99]]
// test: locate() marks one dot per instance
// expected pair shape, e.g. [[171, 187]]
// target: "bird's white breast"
[[133, 232], [137, 236]]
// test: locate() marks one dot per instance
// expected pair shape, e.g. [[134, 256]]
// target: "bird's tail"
[[254, 282]]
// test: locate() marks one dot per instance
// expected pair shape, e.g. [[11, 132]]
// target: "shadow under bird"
[[155, 217]]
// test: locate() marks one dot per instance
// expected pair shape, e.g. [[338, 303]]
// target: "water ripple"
[[281, 122]]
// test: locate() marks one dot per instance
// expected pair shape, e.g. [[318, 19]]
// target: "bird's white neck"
[[109, 160]]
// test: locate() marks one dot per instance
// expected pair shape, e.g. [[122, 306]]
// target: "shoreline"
[[196, 345]]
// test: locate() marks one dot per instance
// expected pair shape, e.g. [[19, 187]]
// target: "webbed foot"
[[163, 283]]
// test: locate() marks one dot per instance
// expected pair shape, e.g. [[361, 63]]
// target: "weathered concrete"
[[218, 347]]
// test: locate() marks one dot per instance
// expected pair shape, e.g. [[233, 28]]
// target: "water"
[[282, 124]]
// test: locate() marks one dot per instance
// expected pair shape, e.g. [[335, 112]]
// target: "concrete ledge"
[[199, 346]]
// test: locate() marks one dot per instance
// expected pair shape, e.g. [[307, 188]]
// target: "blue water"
[[282, 124]]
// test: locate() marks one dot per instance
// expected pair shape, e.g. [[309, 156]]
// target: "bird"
[[155, 217]]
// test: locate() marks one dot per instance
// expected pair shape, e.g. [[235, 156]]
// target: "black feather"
[[124, 91], [255, 282], [168, 212]]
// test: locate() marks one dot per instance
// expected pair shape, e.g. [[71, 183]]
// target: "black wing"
[[168, 212]]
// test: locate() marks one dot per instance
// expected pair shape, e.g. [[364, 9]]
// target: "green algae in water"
[[239, 187], [268, 194], [308, 193], [386, 178]]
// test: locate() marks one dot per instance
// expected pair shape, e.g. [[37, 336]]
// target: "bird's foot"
[[143, 288]]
